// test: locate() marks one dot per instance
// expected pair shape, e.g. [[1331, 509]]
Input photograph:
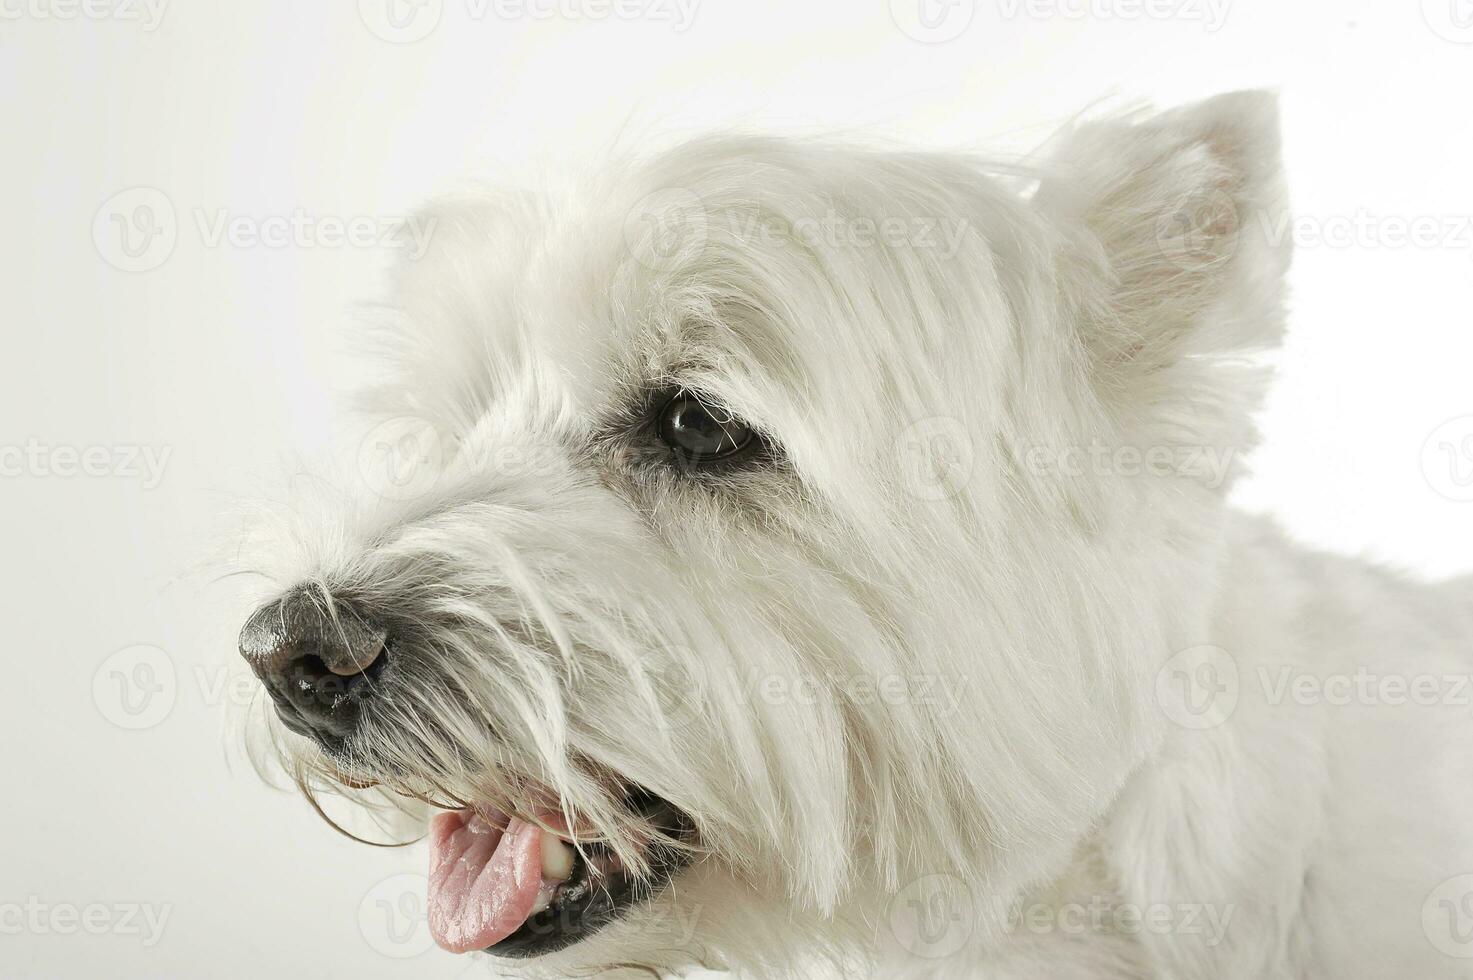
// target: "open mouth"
[[514, 889], [515, 884]]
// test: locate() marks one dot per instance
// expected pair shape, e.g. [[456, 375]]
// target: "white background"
[[228, 356]]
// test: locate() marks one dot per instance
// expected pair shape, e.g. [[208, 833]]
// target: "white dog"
[[814, 559]]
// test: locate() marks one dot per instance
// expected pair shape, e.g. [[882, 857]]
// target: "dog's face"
[[759, 542]]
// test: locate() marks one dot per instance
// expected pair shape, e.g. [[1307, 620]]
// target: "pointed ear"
[[1175, 236]]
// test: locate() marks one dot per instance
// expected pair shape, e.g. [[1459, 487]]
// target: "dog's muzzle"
[[497, 882], [318, 660]]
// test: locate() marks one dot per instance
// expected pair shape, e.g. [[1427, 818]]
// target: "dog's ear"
[[1175, 236]]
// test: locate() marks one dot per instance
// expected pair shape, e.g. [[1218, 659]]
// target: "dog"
[[799, 559]]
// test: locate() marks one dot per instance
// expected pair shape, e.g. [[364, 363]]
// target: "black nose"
[[319, 661]]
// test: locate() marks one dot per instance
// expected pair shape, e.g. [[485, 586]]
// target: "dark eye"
[[702, 434]]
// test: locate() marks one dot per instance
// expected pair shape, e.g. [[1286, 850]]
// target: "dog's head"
[[760, 527]]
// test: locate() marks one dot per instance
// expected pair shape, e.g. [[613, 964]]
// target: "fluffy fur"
[[904, 677]]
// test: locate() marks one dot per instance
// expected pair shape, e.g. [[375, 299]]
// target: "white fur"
[[618, 620]]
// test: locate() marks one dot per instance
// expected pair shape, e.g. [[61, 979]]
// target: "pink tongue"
[[483, 880]]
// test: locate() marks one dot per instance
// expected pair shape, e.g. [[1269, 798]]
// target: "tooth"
[[557, 858], [545, 891]]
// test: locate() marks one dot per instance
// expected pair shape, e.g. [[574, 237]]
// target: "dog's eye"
[[702, 434]]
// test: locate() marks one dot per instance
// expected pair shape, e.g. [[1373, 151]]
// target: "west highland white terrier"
[[800, 559]]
